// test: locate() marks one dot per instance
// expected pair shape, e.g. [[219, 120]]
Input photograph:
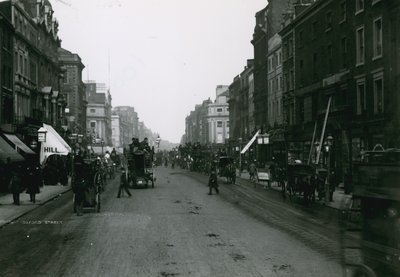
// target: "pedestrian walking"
[[213, 182], [32, 182], [123, 185], [15, 185]]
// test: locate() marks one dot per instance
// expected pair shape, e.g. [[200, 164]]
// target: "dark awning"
[[18, 143], [6, 151]]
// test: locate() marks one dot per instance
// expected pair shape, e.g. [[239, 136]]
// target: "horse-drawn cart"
[[300, 181], [87, 185], [140, 169]]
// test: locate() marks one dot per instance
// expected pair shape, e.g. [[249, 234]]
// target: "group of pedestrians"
[[23, 178]]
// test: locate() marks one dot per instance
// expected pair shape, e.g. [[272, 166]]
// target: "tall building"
[[98, 112], [74, 90], [7, 75], [36, 72], [333, 70], [218, 117], [129, 119], [268, 23]]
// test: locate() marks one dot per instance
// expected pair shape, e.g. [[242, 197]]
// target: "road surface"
[[175, 229]]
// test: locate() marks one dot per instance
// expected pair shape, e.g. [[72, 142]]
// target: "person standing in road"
[[123, 185], [213, 182]]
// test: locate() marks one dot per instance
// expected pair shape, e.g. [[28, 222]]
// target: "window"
[[92, 124], [279, 57], [330, 58], [377, 36], [227, 124], [219, 123], [314, 30], [328, 21], [361, 99], [314, 65], [344, 52], [359, 6], [360, 46], [269, 64], [307, 109], [92, 110], [301, 38], [378, 93], [219, 110], [290, 47], [343, 11]]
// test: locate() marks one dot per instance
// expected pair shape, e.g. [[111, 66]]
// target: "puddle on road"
[[168, 274], [277, 268], [237, 257], [212, 235]]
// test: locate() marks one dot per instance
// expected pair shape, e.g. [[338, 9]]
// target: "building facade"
[[130, 121], [333, 70], [74, 90], [218, 117], [98, 113], [36, 96]]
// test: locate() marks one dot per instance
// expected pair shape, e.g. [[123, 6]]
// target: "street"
[[175, 229]]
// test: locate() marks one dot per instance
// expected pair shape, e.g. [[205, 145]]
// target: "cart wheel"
[[98, 203], [364, 271]]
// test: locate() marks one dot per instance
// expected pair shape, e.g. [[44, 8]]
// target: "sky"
[[160, 56]]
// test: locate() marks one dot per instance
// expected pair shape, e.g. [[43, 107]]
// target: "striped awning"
[[18, 143], [6, 151]]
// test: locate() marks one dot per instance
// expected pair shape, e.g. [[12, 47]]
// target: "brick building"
[[74, 90], [340, 58]]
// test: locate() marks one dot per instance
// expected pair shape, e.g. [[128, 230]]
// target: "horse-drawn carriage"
[[226, 168], [87, 184], [302, 181], [140, 169]]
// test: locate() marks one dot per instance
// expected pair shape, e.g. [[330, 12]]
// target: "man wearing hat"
[[123, 183]]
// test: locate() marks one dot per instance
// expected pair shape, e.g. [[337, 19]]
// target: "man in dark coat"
[[32, 182], [79, 184], [16, 186], [123, 185], [213, 182]]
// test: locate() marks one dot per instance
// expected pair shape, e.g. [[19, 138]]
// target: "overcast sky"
[[165, 55]]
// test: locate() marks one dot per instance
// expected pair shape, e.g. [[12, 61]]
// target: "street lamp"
[[102, 147], [316, 147], [42, 132], [327, 147], [240, 157]]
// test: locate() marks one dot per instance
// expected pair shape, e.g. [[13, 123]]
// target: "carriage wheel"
[[98, 204], [73, 199]]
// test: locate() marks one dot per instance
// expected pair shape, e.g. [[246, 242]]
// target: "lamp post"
[[102, 147], [42, 133], [316, 147], [327, 145], [263, 139], [240, 157]]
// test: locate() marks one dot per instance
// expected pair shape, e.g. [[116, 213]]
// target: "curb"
[[34, 207], [278, 191]]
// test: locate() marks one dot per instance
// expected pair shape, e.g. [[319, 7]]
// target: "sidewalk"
[[340, 199], [10, 212]]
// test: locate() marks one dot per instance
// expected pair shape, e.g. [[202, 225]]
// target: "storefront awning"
[[6, 151], [250, 142], [18, 143], [54, 144]]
